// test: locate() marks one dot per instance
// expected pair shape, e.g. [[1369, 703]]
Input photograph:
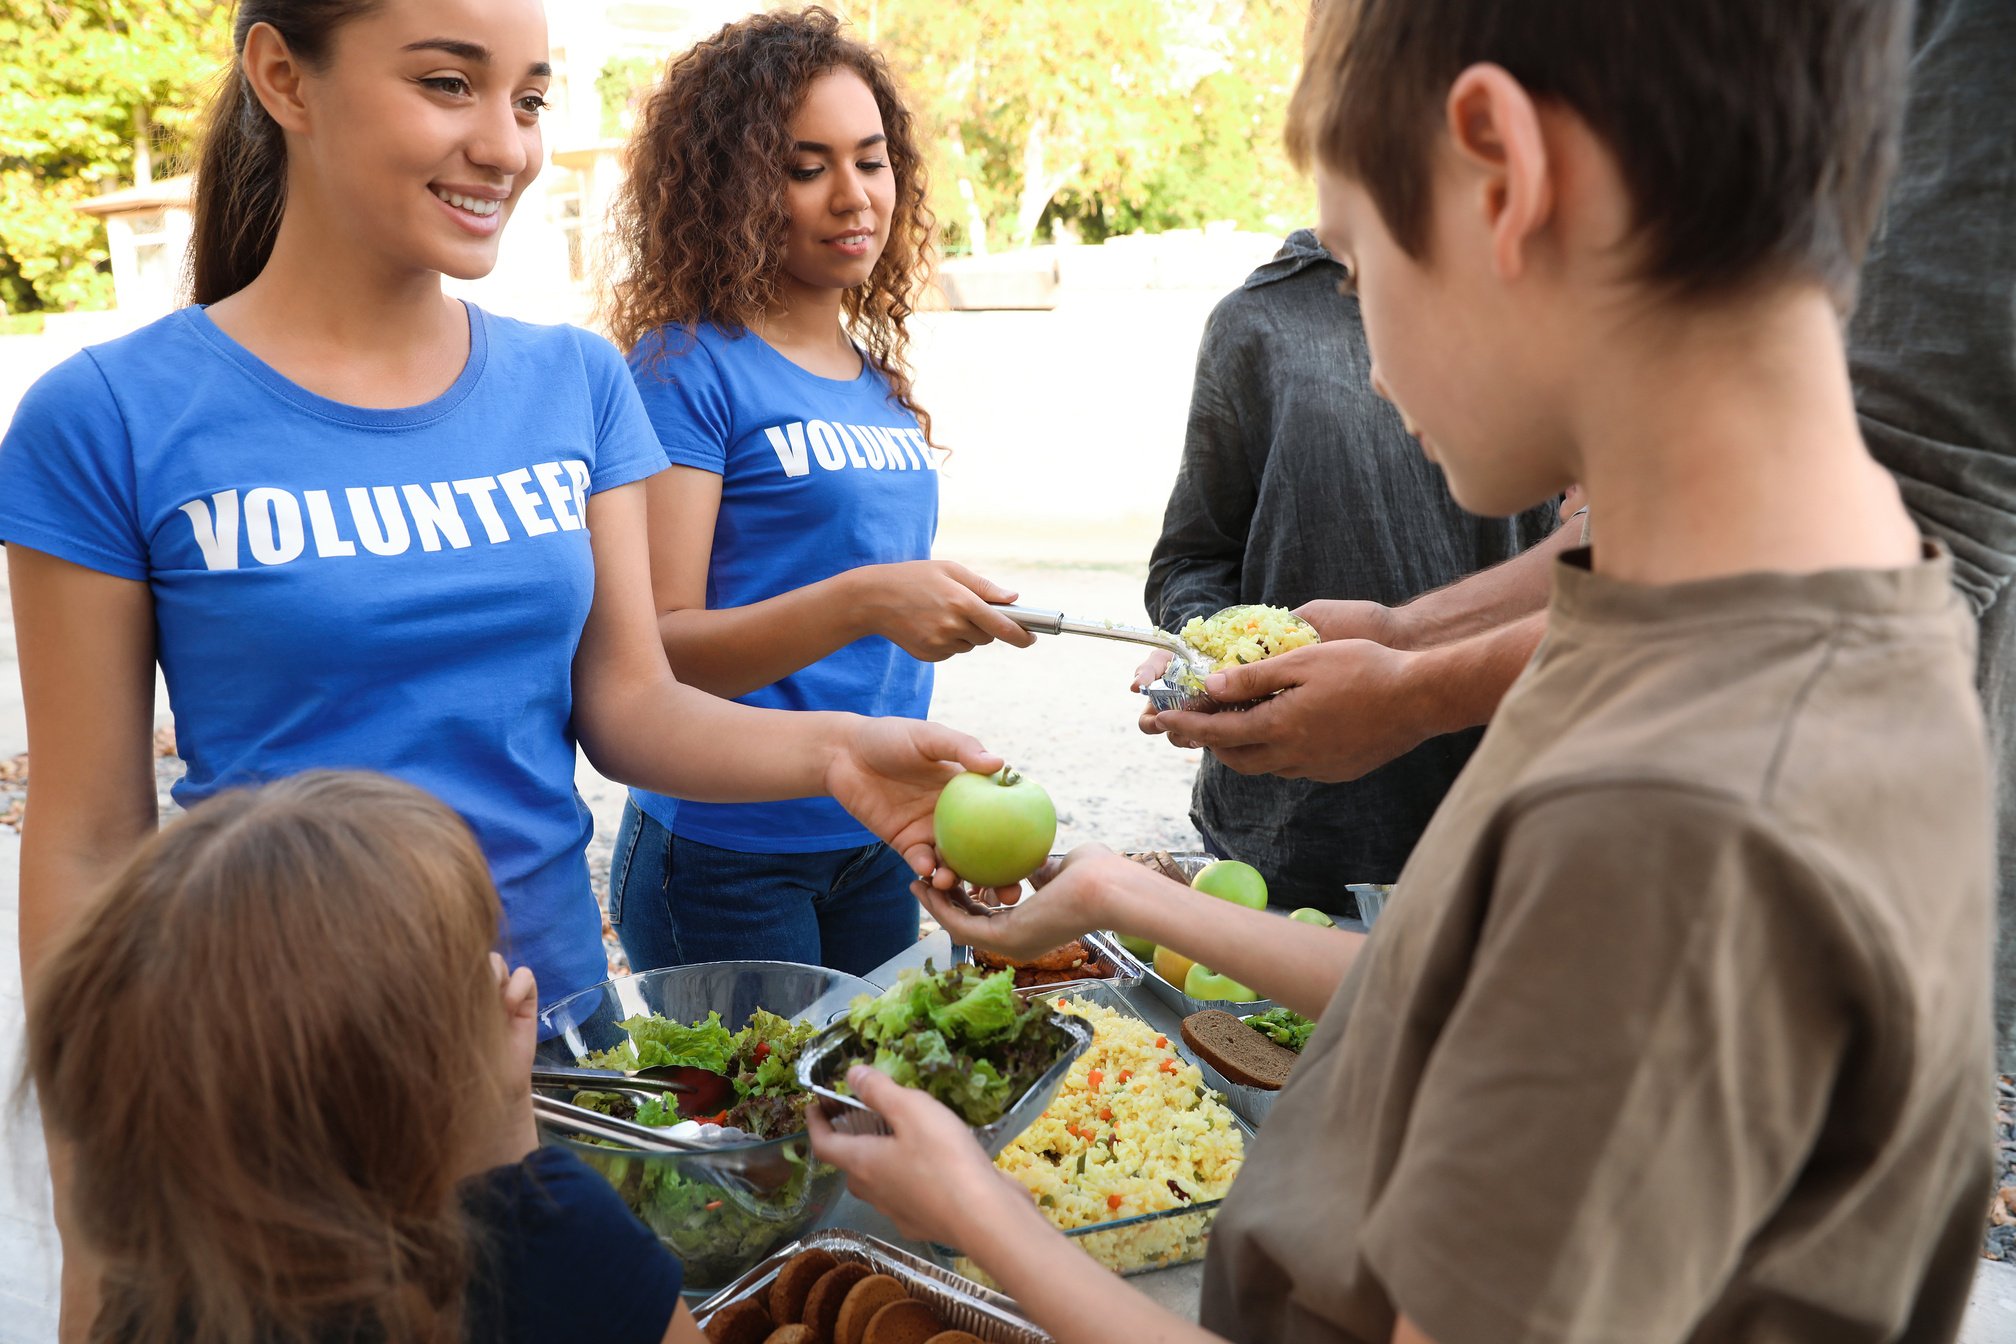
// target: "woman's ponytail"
[[241, 170]]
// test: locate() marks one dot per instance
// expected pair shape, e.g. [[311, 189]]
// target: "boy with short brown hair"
[[1677, 1027]]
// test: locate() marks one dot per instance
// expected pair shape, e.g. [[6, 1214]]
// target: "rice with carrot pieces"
[[1240, 635], [1133, 1131]]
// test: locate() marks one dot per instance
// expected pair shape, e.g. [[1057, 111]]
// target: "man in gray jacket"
[[1299, 482]]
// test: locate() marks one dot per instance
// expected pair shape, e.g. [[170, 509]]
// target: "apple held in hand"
[[1208, 984], [994, 830], [1231, 880]]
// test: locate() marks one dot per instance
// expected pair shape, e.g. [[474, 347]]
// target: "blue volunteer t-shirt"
[[392, 590], [818, 476]]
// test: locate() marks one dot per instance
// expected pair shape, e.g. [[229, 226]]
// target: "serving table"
[[1175, 1288]]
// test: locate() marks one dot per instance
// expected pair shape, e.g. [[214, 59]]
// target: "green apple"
[[1231, 880], [1205, 984], [1144, 948], [994, 830], [1309, 914]]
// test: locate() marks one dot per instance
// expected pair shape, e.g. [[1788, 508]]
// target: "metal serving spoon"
[[1184, 678], [1187, 667]]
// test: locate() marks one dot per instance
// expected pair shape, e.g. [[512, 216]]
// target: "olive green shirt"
[[1677, 1026]]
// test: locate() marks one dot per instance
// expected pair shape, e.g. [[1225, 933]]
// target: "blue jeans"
[[674, 901]]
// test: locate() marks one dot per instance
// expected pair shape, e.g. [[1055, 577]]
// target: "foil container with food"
[[1135, 1155], [839, 1282], [964, 1036], [1228, 638], [1095, 956], [1182, 866], [1183, 1005], [1249, 1058]]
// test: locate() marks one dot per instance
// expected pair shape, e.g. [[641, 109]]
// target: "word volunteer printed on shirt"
[[276, 525], [335, 586], [800, 445], [819, 476]]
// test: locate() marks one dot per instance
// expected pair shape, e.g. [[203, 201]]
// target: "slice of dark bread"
[[1242, 1054]]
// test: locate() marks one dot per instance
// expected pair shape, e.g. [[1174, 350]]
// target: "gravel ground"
[[2002, 1213]]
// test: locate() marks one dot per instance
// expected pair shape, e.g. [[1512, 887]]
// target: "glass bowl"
[[722, 1210]]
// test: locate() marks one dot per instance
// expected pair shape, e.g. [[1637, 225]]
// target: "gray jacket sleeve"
[[1196, 565], [1932, 346]]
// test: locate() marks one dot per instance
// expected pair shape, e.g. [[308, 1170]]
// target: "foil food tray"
[[1183, 1005], [819, 1071], [1145, 1242], [1128, 970], [960, 1303], [1253, 1104]]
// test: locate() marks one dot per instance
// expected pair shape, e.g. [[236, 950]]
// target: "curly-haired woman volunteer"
[[772, 241]]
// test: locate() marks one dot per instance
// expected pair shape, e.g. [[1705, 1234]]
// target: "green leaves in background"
[[1098, 119], [81, 85]]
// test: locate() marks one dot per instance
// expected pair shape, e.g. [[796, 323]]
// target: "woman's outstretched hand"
[[889, 772]]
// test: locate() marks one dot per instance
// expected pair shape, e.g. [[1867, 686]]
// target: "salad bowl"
[[724, 1208]]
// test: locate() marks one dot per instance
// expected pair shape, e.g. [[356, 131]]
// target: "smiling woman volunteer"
[[771, 244], [361, 524]]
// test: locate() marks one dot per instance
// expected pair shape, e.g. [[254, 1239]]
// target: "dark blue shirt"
[[566, 1258]]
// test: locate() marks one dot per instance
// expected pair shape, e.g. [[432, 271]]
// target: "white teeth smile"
[[474, 205]]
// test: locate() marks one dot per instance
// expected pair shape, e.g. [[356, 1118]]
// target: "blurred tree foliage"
[[1099, 116], [621, 80], [86, 89]]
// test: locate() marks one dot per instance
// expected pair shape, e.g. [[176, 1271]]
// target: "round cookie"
[[905, 1322], [822, 1305], [863, 1301], [742, 1323], [955, 1337], [792, 1334], [793, 1285]]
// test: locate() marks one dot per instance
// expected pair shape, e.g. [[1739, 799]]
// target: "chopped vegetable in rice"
[[1246, 634], [1133, 1131]]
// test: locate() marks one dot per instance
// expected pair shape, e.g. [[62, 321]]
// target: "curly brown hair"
[[699, 226]]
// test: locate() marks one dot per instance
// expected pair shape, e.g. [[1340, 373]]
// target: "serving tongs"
[[750, 1186], [698, 1091], [607, 1080], [582, 1122]]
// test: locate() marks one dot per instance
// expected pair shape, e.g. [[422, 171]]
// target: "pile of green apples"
[[1228, 880]]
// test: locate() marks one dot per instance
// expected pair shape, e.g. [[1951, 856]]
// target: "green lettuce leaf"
[[985, 1011], [1284, 1027], [659, 1042]]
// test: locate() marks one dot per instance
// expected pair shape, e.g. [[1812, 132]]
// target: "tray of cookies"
[[844, 1287]]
